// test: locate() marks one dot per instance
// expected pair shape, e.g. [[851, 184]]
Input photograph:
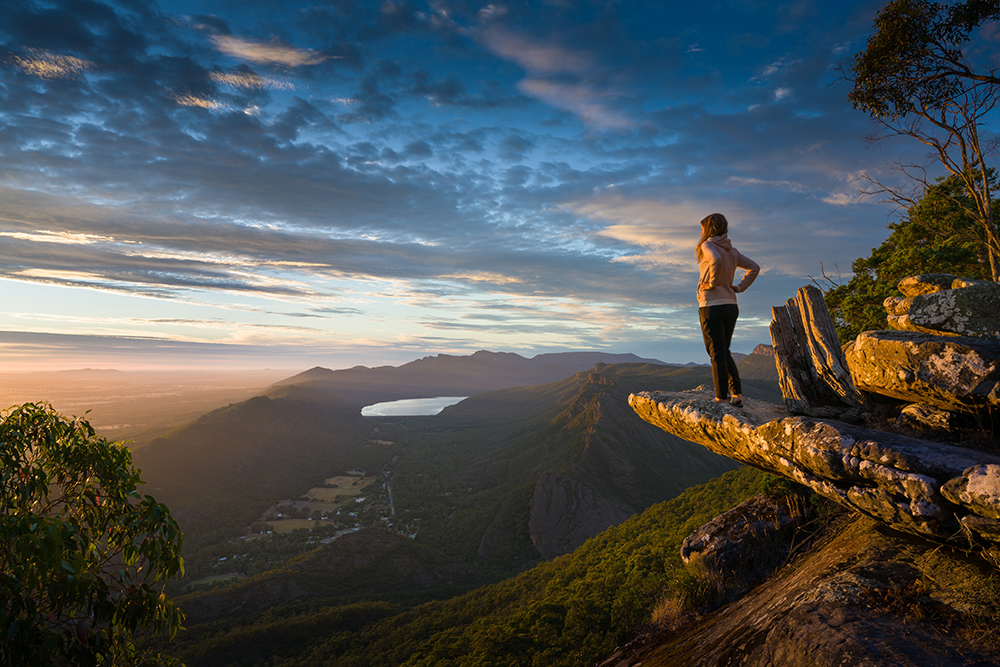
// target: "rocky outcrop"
[[978, 489], [745, 545], [812, 370], [955, 373], [968, 311], [840, 605], [893, 478], [926, 416], [861, 597], [926, 283], [942, 353], [926, 488], [946, 305]]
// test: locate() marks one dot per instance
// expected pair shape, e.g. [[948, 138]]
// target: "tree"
[[80, 548], [916, 56], [922, 76], [936, 236]]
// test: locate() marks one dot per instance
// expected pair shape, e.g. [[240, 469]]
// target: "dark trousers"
[[717, 325]]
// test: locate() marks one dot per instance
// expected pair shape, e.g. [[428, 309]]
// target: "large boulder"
[[891, 477], [967, 311], [864, 597], [943, 304], [926, 283], [977, 488], [744, 545], [955, 373]]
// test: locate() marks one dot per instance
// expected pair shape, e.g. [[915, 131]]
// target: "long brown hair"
[[714, 224]]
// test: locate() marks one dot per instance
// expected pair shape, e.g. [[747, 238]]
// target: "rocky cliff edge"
[[926, 488]]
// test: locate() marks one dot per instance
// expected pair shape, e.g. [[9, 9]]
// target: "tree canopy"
[[928, 74], [80, 548], [936, 236], [916, 58]]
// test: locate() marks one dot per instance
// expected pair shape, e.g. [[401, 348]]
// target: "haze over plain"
[[254, 184]]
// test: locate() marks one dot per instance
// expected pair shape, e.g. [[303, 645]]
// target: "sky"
[[244, 183]]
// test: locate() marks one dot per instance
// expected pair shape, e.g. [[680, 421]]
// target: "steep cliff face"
[[565, 513], [620, 465], [612, 465]]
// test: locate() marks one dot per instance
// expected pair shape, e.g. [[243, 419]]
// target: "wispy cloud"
[[188, 100], [548, 65], [536, 55], [250, 81], [267, 53], [48, 65], [579, 99]]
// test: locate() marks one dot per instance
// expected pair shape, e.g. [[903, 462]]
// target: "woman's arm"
[[752, 268]]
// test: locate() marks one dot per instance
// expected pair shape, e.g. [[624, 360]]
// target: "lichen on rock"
[[957, 373]]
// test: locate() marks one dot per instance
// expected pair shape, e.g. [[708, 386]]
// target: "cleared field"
[[347, 488], [322, 499], [326, 495], [348, 484], [288, 525]]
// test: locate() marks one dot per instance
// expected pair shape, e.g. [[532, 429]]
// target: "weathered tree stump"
[[812, 370]]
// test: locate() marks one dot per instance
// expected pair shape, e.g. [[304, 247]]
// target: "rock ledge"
[[925, 488]]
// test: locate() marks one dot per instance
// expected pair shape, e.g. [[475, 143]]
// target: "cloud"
[[267, 53], [558, 76], [843, 198], [537, 56], [47, 65], [430, 180], [187, 100], [656, 235], [250, 81], [579, 99]]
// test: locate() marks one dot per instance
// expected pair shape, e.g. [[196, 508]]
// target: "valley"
[[300, 505]]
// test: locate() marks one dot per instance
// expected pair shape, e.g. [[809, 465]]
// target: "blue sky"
[[210, 183]]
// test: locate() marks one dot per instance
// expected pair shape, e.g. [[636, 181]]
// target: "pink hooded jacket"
[[717, 267]]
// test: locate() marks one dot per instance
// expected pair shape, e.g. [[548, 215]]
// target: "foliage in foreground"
[[80, 548]]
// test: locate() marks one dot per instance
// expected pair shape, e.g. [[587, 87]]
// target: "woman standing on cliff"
[[717, 309]]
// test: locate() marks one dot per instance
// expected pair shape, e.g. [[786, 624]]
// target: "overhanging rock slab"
[[890, 477]]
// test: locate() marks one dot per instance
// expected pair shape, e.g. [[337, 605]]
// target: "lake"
[[411, 407]]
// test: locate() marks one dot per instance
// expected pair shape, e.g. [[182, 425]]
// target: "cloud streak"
[[269, 53]]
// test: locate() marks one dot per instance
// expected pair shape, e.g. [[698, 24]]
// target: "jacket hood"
[[722, 241]]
